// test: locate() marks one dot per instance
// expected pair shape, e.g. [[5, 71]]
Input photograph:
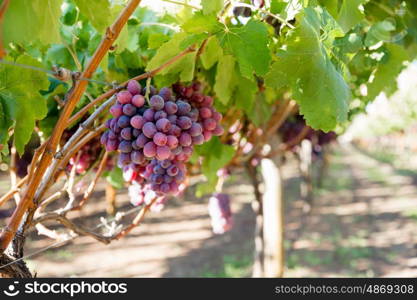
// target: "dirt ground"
[[363, 223]]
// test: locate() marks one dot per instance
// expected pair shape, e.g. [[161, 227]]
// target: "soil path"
[[363, 223]]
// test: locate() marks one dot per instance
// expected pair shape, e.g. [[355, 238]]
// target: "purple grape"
[[205, 112], [108, 123], [124, 159], [160, 114], [125, 146], [180, 176], [165, 93], [217, 116], [198, 98], [193, 114], [137, 157], [218, 130], [185, 139], [124, 97], [149, 149], [207, 135], [116, 110], [113, 122], [129, 109], [168, 179], [141, 141], [149, 129], [195, 129], [183, 107], [158, 179], [160, 139], [170, 107], [104, 138], [184, 122], [172, 170], [187, 150], [163, 125], [123, 121], [136, 132], [198, 140], [165, 163], [177, 150], [172, 119], [112, 145], [209, 124], [135, 146], [172, 141], [208, 101], [165, 188], [163, 152], [149, 114], [157, 102], [174, 187], [138, 100], [159, 170], [112, 135], [175, 131], [126, 133], [137, 122], [134, 87]]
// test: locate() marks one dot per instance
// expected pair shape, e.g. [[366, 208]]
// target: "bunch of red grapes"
[[293, 127], [220, 213], [155, 138], [87, 155]]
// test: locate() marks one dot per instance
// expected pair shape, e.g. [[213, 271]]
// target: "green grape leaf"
[[216, 155], [115, 178], [249, 45], [200, 23], [387, 71], [97, 12], [380, 31], [211, 6], [245, 93], [30, 21], [349, 14], [5, 121], [277, 6], [225, 78], [19, 89], [317, 86], [261, 112], [155, 40], [184, 66], [212, 52]]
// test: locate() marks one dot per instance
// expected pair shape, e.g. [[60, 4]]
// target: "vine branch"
[[27, 200]]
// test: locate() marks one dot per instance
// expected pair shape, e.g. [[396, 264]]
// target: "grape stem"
[[148, 90]]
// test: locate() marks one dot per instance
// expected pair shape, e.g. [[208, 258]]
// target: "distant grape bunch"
[[155, 138], [86, 156], [293, 127], [220, 213]]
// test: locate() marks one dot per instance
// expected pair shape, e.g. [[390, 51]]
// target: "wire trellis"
[[52, 73]]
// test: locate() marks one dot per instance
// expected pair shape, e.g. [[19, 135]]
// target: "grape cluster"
[[220, 213], [242, 11], [86, 156], [155, 138], [293, 127]]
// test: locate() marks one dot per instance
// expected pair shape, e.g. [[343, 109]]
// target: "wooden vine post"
[[273, 219]]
